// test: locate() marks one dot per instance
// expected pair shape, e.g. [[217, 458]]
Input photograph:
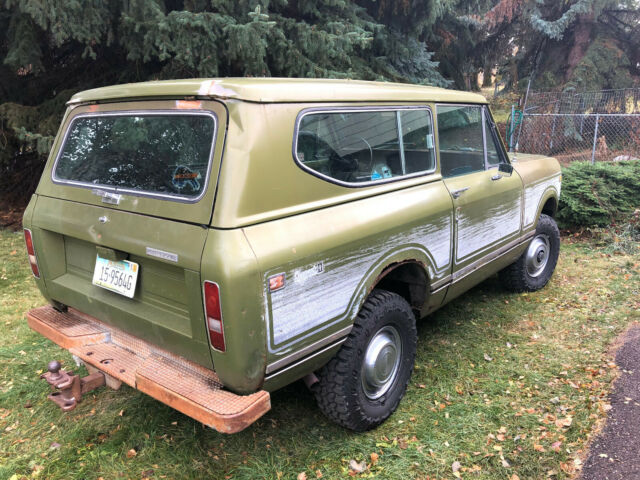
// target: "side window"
[[461, 140], [494, 149], [365, 146]]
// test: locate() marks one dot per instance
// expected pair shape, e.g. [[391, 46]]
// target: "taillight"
[[33, 261], [213, 311]]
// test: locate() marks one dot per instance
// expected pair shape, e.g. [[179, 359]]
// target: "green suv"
[[210, 241]]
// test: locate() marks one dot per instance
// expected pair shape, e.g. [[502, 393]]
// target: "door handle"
[[460, 191], [496, 177]]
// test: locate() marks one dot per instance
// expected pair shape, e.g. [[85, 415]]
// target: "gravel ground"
[[615, 453]]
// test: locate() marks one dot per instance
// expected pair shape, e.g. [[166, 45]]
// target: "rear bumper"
[[185, 386]]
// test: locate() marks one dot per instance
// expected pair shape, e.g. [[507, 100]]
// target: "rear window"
[[362, 146], [161, 154]]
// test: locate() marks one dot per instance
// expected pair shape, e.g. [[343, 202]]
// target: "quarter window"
[[366, 146], [461, 140]]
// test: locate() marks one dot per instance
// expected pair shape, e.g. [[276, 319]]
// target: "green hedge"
[[599, 194]]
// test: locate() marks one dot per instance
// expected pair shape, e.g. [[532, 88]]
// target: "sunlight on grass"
[[504, 384]]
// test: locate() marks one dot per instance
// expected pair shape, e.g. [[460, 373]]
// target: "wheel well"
[[550, 207], [407, 279]]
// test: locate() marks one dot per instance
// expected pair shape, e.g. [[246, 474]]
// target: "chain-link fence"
[[625, 100], [591, 126], [590, 137]]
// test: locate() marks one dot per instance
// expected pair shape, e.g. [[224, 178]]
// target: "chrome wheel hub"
[[538, 255], [381, 362]]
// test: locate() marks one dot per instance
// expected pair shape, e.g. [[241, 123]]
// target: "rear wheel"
[[362, 385], [536, 265]]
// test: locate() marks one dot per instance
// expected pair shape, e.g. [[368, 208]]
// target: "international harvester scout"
[[210, 241]]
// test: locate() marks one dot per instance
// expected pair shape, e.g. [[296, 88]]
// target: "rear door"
[[133, 181]]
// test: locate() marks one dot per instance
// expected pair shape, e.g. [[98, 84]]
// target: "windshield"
[[164, 154]]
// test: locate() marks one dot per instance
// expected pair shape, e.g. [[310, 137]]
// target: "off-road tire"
[[340, 392], [516, 277]]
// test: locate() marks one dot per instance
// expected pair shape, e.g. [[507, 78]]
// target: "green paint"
[[262, 215]]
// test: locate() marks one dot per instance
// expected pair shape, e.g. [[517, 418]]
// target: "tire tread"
[[332, 391]]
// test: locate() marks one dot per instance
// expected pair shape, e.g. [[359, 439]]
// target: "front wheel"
[[536, 265], [362, 385]]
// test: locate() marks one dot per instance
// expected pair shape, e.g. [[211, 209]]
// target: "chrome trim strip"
[[299, 362], [139, 193], [459, 275], [469, 269], [309, 349], [389, 108], [436, 285]]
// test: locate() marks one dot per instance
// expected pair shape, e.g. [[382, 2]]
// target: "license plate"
[[119, 276]]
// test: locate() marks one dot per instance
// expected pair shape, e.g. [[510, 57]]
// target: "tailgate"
[[145, 196]]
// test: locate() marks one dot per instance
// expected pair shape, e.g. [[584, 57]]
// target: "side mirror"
[[506, 169]]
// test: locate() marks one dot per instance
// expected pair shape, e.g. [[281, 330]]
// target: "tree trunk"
[[581, 39]]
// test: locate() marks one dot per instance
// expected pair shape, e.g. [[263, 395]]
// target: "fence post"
[[511, 132], [553, 132], [595, 139]]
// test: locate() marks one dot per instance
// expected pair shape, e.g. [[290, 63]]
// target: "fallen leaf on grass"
[[318, 474], [538, 448], [514, 477], [555, 446], [374, 458], [357, 467], [564, 422], [455, 466], [302, 476], [132, 453], [488, 358]]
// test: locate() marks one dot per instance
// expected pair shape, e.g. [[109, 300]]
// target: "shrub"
[[599, 194]]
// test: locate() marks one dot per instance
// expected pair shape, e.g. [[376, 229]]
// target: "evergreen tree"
[[581, 44], [52, 48]]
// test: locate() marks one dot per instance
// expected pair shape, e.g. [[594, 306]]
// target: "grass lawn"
[[506, 386]]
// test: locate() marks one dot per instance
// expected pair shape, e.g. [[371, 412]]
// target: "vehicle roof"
[[278, 90]]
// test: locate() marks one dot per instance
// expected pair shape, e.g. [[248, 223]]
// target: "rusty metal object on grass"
[[68, 387]]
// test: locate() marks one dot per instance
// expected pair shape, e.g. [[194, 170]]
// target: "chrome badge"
[[154, 252]]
